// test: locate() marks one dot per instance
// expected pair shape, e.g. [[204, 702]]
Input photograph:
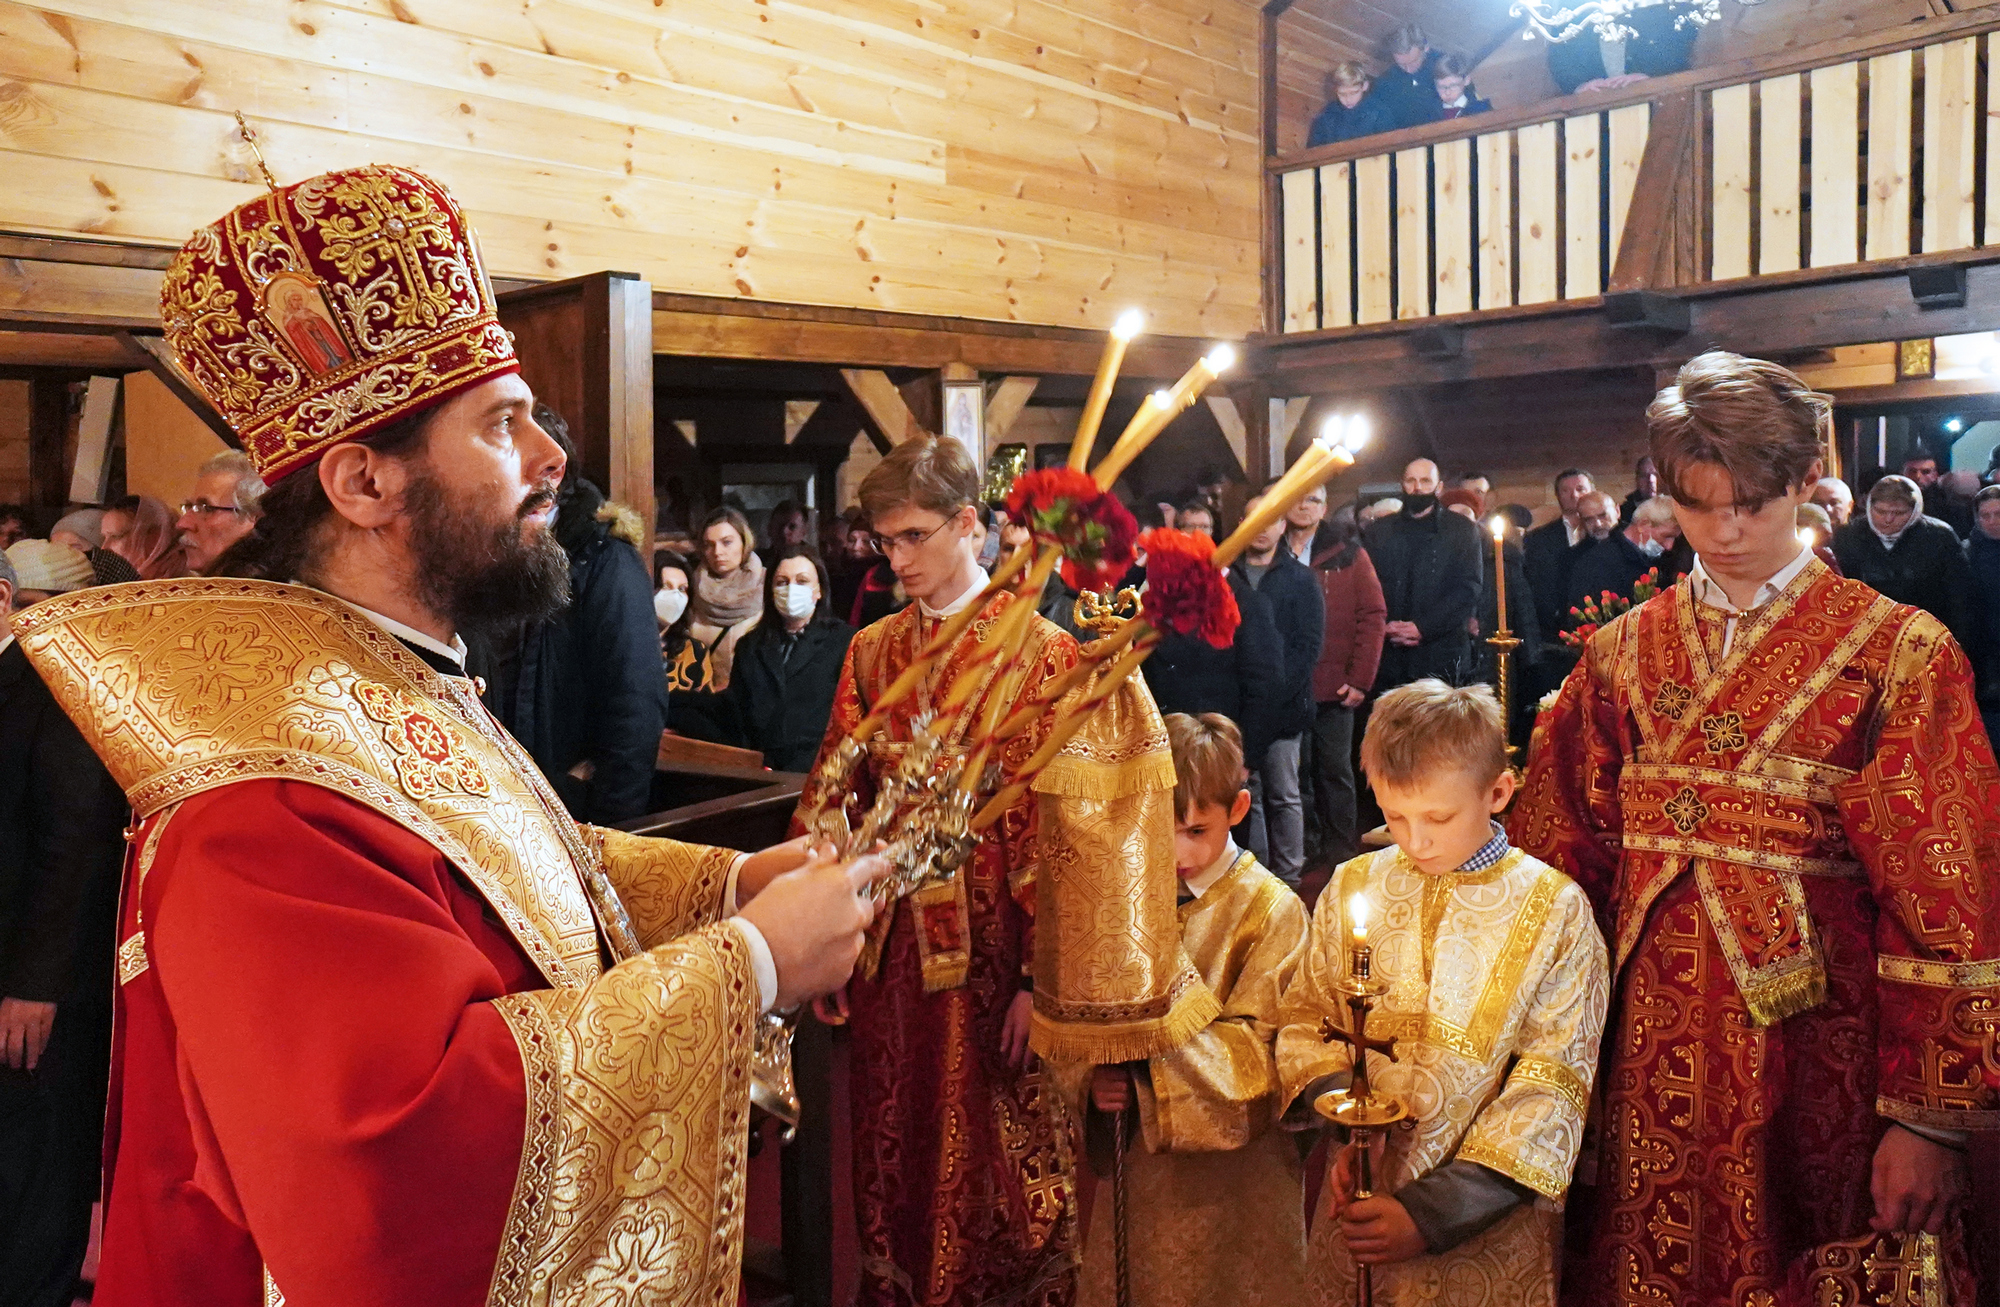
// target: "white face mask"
[[668, 605], [1652, 549], [794, 601]]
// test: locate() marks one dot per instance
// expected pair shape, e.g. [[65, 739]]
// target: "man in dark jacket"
[[1597, 513], [1187, 674], [1428, 561], [585, 692], [1277, 817], [1911, 558], [1550, 552], [1618, 561], [60, 851], [1348, 657], [1407, 88]]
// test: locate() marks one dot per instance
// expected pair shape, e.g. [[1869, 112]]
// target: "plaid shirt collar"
[[1489, 853]]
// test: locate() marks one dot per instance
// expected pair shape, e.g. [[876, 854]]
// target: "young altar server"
[[1496, 990], [1775, 788], [1214, 1203]]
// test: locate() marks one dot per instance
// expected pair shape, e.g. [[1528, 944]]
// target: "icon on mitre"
[[295, 305]]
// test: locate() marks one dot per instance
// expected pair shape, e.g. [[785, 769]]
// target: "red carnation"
[[1095, 531], [1185, 591]]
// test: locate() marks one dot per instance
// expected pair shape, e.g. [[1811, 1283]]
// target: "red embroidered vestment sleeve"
[[1924, 818], [339, 1060], [1567, 813]]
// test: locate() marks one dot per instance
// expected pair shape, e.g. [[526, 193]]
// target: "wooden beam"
[[1662, 188], [1009, 398], [48, 436], [151, 352], [1230, 419], [1902, 391], [888, 413]]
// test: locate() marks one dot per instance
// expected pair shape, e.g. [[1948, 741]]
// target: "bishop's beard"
[[484, 577]]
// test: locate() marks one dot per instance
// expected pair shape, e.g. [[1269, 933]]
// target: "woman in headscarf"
[[728, 591], [83, 531], [140, 530]]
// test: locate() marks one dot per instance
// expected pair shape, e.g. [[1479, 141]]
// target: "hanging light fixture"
[[1560, 20]]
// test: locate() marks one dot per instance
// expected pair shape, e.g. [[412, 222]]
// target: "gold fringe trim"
[[1085, 778], [1108, 1043], [1771, 1001]]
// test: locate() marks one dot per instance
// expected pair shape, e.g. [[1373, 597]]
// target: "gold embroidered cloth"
[[1498, 988], [1111, 981], [1791, 845], [1215, 1204]]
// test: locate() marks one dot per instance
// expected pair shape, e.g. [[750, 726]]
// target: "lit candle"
[[1313, 467], [1808, 538], [1359, 959], [1129, 324], [1499, 525], [1152, 417]]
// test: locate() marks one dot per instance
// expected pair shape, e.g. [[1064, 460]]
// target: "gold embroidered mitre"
[[183, 686], [324, 311], [1112, 983]]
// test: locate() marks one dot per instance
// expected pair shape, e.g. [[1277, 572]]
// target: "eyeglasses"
[[200, 508], [906, 541]]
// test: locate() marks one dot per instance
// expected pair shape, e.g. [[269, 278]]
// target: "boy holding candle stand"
[[1496, 988], [1214, 1197]]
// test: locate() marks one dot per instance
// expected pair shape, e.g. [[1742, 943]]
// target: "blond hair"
[[1426, 727], [1208, 760], [935, 473], [1348, 73]]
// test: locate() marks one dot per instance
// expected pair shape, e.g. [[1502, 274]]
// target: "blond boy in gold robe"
[[1497, 993], [1213, 1191]]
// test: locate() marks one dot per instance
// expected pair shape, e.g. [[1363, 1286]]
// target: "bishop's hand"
[[1916, 1183], [814, 919]]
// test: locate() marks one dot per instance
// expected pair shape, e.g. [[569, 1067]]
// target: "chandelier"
[[1559, 20]]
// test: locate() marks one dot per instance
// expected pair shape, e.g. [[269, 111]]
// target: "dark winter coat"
[[1549, 558], [1926, 569], [588, 686], [1662, 45], [1431, 574], [1187, 674], [1615, 564], [1982, 556], [1411, 99], [61, 852], [1299, 610], [1337, 122], [780, 694]]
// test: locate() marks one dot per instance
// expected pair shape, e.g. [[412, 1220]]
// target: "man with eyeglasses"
[[222, 510], [962, 1167]]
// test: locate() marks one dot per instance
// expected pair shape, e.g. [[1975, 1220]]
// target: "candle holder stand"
[[1504, 643], [1359, 1109]]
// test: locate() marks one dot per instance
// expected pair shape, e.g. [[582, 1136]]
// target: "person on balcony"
[[1353, 112], [1407, 88], [1662, 43], [1452, 78]]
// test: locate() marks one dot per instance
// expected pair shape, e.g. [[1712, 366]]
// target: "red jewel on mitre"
[[325, 311]]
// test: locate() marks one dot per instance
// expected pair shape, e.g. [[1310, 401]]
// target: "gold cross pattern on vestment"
[[1724, 732]]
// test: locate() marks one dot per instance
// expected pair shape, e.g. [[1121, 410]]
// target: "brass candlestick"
[[1358, 1109], [1504, 644]]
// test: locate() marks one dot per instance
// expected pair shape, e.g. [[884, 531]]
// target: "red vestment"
[[964, 1185], [1791, 849]]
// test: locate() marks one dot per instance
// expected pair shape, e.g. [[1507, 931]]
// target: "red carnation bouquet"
[[1185, 591], [1096, 532], [1607, 606]]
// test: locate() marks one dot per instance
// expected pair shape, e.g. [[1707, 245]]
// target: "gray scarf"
[[727, 600]]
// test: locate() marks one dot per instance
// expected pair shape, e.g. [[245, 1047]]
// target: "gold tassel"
[[1771, 1001], [1108, 1043], [1084, 778]]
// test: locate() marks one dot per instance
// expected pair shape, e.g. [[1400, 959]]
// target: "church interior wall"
[[1034, 162], [14, 401]]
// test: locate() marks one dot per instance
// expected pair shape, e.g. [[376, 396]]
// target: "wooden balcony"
[[1719, 206]]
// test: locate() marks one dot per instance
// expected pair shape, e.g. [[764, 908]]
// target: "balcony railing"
[[1852, 153]]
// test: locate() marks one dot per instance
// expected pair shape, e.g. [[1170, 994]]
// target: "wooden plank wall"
[[1008, 159]]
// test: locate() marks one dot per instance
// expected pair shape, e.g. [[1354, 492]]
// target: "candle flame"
[[1221, 358], [1499, 527], [1357, 912], [1357, 432], [1130, 323], [1808, 538], [1333, 431], [1159, 399]]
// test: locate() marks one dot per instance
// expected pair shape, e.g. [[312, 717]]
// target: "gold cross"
[[1724, 732]]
